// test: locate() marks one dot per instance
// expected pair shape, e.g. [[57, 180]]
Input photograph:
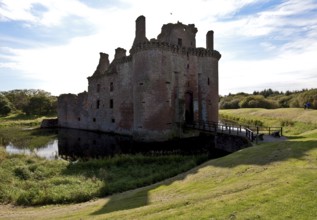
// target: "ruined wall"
[[72, 110], [110, 99], [178, 34]]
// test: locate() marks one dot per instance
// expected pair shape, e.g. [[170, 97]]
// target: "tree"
[[38, 105], [32, 101], [5, 106]]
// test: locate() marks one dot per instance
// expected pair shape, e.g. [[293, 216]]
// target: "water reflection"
[[72, 144], [50, 151], [75, 144]]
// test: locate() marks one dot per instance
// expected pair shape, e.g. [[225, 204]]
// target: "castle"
[[149, 94]]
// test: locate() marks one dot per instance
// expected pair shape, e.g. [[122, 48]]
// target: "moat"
[[72, 144]]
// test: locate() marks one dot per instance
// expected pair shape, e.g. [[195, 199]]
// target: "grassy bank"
[[26, 180], [294, 120], [22, 120], [267, 181]]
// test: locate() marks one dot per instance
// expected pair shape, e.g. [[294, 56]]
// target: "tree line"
[[270, 99], [28, 101]]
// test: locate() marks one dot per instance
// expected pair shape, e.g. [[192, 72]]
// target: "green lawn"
[[267, 181], [22, 120], [294, 120]]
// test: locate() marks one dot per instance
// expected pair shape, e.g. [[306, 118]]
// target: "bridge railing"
[[249, 132]]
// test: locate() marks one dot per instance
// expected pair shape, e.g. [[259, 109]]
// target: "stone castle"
[[163, 84]]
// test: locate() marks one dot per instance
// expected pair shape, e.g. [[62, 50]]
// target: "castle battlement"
[[201, 52]]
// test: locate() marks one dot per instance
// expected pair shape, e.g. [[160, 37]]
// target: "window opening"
[[111, 86], [180, 42], [111, 103], [98, 104], [208, 81]]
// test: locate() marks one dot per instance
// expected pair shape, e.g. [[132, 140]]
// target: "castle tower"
[[140, 30], [210, 40]]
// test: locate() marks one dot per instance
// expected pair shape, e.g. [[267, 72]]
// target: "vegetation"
[[26, 138], [5, 105], [267, 181], [21, 121], [293, 120], [30, 102], [28, 180], [270, 99]]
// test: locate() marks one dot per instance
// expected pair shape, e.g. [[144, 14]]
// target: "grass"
[[268, 181], [294, 120], [22, 120], [26, 180]]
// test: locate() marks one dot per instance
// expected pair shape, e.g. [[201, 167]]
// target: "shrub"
[[257, 101], [234, 104]]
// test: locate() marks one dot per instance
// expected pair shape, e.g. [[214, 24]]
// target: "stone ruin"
[[151, 93]]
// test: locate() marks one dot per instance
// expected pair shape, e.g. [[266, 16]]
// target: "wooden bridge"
[[251, 133]]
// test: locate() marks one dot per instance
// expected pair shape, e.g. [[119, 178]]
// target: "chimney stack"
[[140, 30], [210, 40]]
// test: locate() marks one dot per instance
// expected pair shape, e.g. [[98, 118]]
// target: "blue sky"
[[54, 45]]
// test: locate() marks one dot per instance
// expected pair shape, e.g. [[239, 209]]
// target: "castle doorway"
[[189, 108]]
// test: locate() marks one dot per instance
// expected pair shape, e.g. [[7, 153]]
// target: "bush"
[[234, 104], [257, 101]]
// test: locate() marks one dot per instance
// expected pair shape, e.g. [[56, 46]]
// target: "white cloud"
[[52, 12]]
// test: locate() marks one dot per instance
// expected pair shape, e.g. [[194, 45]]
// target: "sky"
[[54, 45]]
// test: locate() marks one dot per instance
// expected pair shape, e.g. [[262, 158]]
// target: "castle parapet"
[[201, 52]]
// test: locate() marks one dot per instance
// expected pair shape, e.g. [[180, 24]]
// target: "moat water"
[[72, 144]]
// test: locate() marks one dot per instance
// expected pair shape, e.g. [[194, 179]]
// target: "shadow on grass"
[[260, 155], [134, 200]]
